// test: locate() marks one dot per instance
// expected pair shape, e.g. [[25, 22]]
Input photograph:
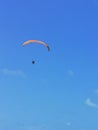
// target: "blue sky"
[[60, 91]]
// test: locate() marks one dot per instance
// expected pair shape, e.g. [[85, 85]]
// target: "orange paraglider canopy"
[[36, 41]]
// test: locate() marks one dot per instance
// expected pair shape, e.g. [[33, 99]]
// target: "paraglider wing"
[[37, 41]]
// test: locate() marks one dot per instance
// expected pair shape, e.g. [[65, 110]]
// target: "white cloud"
[[90, 103], [70, 73], [8, 72]]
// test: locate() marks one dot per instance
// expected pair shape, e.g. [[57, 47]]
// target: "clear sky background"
[[60, 91]]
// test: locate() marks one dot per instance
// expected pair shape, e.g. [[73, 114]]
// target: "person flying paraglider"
[[36, 41], [33, 62]]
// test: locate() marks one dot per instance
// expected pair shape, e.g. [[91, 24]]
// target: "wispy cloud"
[[8, 72], [32, 127], [90, 103], [70, 73], [96, 91], [68, 123], [82, 129]]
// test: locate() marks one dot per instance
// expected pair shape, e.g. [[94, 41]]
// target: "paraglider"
[[36, 41]]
